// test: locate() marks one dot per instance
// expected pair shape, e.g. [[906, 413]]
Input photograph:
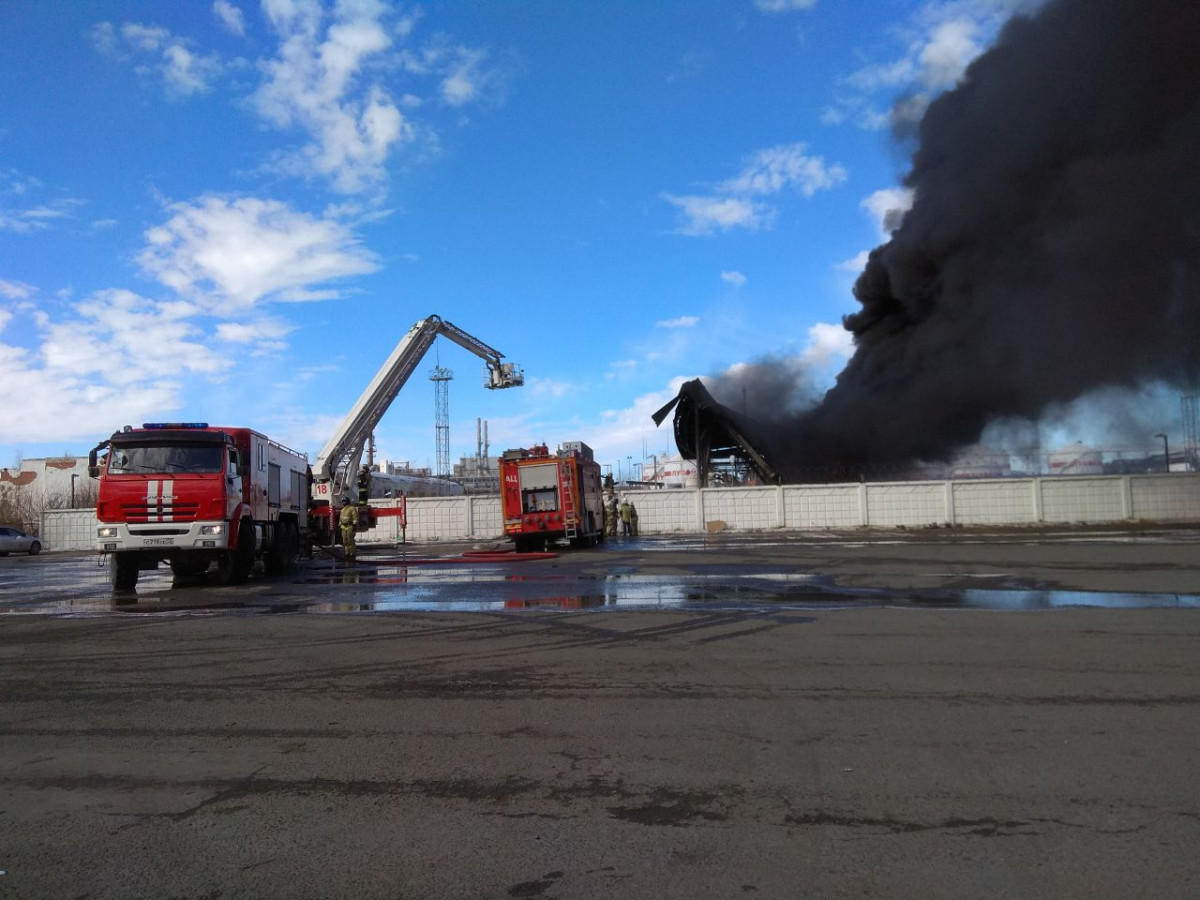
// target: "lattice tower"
[[1191, 424], [441, 378]]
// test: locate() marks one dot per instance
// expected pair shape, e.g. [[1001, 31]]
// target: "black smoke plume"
[[1053, 244]]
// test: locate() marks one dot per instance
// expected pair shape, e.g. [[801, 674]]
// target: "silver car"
[[14, 540]]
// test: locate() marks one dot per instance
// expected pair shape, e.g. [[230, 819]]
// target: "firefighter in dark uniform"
[[364, 483]]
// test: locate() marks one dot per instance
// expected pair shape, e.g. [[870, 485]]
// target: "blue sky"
[[231, 211]]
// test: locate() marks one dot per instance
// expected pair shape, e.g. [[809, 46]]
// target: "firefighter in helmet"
[[610, 514], [349, 522], [364, 483]]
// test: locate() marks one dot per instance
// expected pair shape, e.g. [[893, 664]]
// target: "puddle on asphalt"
[[487, 587]]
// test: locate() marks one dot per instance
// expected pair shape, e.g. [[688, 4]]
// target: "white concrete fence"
[[912, 504]]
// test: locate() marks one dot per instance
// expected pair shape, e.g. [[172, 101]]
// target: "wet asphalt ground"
[[887, 714]]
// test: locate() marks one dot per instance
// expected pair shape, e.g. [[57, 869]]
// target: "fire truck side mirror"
[[94, 471]]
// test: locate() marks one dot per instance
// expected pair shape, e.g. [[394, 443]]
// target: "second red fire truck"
[[545, 497]]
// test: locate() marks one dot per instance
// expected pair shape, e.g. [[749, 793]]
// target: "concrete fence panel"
[[487, 521], [1000, 502], [1089, 500], [437, 518], [911, 504], [666, 512], [1164, 498], [743, 509], [68, 529], [821, 506]]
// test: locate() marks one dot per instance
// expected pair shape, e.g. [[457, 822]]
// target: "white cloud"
[[947, 53], [314, 84], [262, 336], [16, 290], [125, 338], [116, 357], [104, 39], [764, 173], [182, 71], [230, 16], [27, 218], [547, 388], [786, 165], [229, 255], [883, 75], [888, 207], [706, 215], [937, 44], [146, 38], [856, 263], [783, 6], [679, 322], [464, 81], [623, 429], [737, 279], [827, 345], [185, 73]]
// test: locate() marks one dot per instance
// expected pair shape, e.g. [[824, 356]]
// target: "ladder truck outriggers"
[[546, 497], [335, 473]]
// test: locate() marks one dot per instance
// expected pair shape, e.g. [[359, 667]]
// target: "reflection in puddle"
[[79, 588], [984, 599]]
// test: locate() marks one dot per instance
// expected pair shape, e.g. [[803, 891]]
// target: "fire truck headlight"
[[107, 531], [212, 529]]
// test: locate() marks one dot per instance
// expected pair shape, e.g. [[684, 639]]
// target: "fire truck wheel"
[[235, 566], [123, 571], [528, 543], [187, 567], [284, 548], [243, 556]]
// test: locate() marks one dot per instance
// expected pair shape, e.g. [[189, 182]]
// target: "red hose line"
[[477, 556]]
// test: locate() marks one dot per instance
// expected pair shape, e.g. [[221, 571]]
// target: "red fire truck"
[[196, 496], [544, 497]]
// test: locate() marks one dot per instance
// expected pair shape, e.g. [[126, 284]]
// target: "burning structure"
[[709, 432], [1051, 250]]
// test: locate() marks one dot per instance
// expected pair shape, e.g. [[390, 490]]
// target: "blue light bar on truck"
[[174, 424]]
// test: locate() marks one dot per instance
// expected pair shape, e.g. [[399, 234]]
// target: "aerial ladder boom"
[[338, 462]]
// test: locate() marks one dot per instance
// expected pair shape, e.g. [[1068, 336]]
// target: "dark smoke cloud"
[[766, 389], [1053, 246]]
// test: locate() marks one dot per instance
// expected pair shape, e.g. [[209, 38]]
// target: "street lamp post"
[[73, 477], [1166, 453]]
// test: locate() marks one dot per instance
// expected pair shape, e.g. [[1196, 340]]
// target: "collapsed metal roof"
[[706, 430]]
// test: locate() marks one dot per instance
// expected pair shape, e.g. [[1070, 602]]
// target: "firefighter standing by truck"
[[610, 517], [349, 522]]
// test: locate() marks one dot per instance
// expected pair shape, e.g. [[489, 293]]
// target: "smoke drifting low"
[[1053, 245]]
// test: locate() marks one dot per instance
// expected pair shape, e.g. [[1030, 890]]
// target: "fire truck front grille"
[[163, 512]]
